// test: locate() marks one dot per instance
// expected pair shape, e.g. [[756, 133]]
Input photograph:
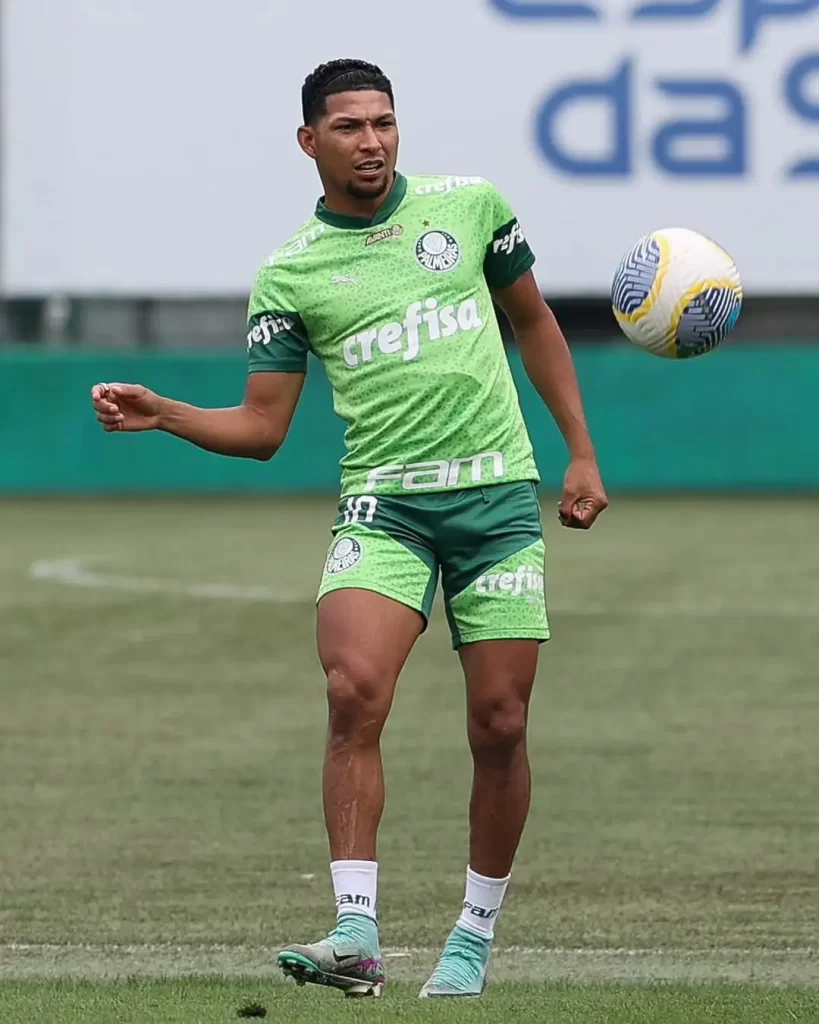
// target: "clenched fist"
[[126, 407], [584, 496]]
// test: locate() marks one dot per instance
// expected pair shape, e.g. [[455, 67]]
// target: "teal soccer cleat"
[[461, 969], [349, 959]]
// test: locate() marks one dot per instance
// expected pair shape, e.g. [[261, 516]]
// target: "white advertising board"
[[148, 146]]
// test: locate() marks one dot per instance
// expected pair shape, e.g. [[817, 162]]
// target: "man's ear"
[[307, 140]]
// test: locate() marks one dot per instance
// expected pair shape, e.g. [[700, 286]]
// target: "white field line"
[[72, 572], [793, 966], [401, 951]]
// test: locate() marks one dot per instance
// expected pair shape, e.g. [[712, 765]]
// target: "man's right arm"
[[255, 429], [277, 347]]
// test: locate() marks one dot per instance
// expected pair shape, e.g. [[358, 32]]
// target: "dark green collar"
[[382, 214]]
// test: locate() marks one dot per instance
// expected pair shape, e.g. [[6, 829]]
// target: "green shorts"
[[486, 542]]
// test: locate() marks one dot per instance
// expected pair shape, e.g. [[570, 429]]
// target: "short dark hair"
[[340, 76]]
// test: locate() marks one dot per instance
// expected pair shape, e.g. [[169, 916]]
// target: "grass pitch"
[[161, 736], [215, 1001]]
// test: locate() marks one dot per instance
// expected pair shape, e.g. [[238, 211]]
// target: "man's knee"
[[497, 725], [358, 700]]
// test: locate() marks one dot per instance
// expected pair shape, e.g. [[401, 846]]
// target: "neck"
[[341, 202]]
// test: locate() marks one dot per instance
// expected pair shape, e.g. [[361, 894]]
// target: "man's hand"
[[584, 496], [125, 407], [253, 430]]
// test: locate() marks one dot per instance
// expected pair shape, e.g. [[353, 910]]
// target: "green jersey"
[[398, 309]]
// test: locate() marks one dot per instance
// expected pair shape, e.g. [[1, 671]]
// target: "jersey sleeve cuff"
[[503, 275], [278, 366]]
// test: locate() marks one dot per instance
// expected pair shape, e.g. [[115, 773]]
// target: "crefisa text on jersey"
[[405, 336], [268, 325], [449, 184]]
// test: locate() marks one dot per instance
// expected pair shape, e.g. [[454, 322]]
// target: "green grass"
[[213, 1001], [160, 756]]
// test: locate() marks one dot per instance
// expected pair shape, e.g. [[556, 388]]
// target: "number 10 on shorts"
[[360, 510]]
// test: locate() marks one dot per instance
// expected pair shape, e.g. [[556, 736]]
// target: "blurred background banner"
[[148, 148]]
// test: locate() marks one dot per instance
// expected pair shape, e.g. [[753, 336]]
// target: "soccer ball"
[[676, 293]]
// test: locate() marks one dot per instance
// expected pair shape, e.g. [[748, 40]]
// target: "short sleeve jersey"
[[398, 309]]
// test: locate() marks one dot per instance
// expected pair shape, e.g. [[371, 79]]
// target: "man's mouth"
[[370, 167]]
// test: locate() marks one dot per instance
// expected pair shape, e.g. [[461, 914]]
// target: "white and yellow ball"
[[676, 293]]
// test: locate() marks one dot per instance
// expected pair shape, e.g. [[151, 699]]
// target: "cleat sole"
[[304, 971], [364, 991]]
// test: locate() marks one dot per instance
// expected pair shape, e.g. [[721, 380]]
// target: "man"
[[390, 285]]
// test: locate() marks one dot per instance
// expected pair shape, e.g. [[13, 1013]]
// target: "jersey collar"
[[383, 213]]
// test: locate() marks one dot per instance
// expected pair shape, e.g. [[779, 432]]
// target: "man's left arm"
[[549, 366]]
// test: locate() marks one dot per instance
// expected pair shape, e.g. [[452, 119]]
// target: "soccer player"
[[390, 284]]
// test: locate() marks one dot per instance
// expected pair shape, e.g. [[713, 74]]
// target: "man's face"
[[355, 144]]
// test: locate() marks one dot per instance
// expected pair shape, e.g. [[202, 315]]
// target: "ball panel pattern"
[[704, 315], [636, 278]]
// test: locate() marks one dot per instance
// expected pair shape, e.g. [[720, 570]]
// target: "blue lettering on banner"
[[615, 93], [558, 11], [729, 129], [796, 82], [692, 9], [754, 12]]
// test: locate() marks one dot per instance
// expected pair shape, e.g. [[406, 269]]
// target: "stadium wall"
[[742, 418]]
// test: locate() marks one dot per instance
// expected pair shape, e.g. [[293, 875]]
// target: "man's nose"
[[368, 139]]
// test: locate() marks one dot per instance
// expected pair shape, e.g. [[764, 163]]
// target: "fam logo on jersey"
[[344, 554], [381, 236], [440, 473], [437, 251]]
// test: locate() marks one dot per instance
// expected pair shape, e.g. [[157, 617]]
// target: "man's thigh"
[[493, 565], [363, 641]]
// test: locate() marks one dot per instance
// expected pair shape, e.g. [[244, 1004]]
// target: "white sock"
[[355, 883], [482, 903]]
